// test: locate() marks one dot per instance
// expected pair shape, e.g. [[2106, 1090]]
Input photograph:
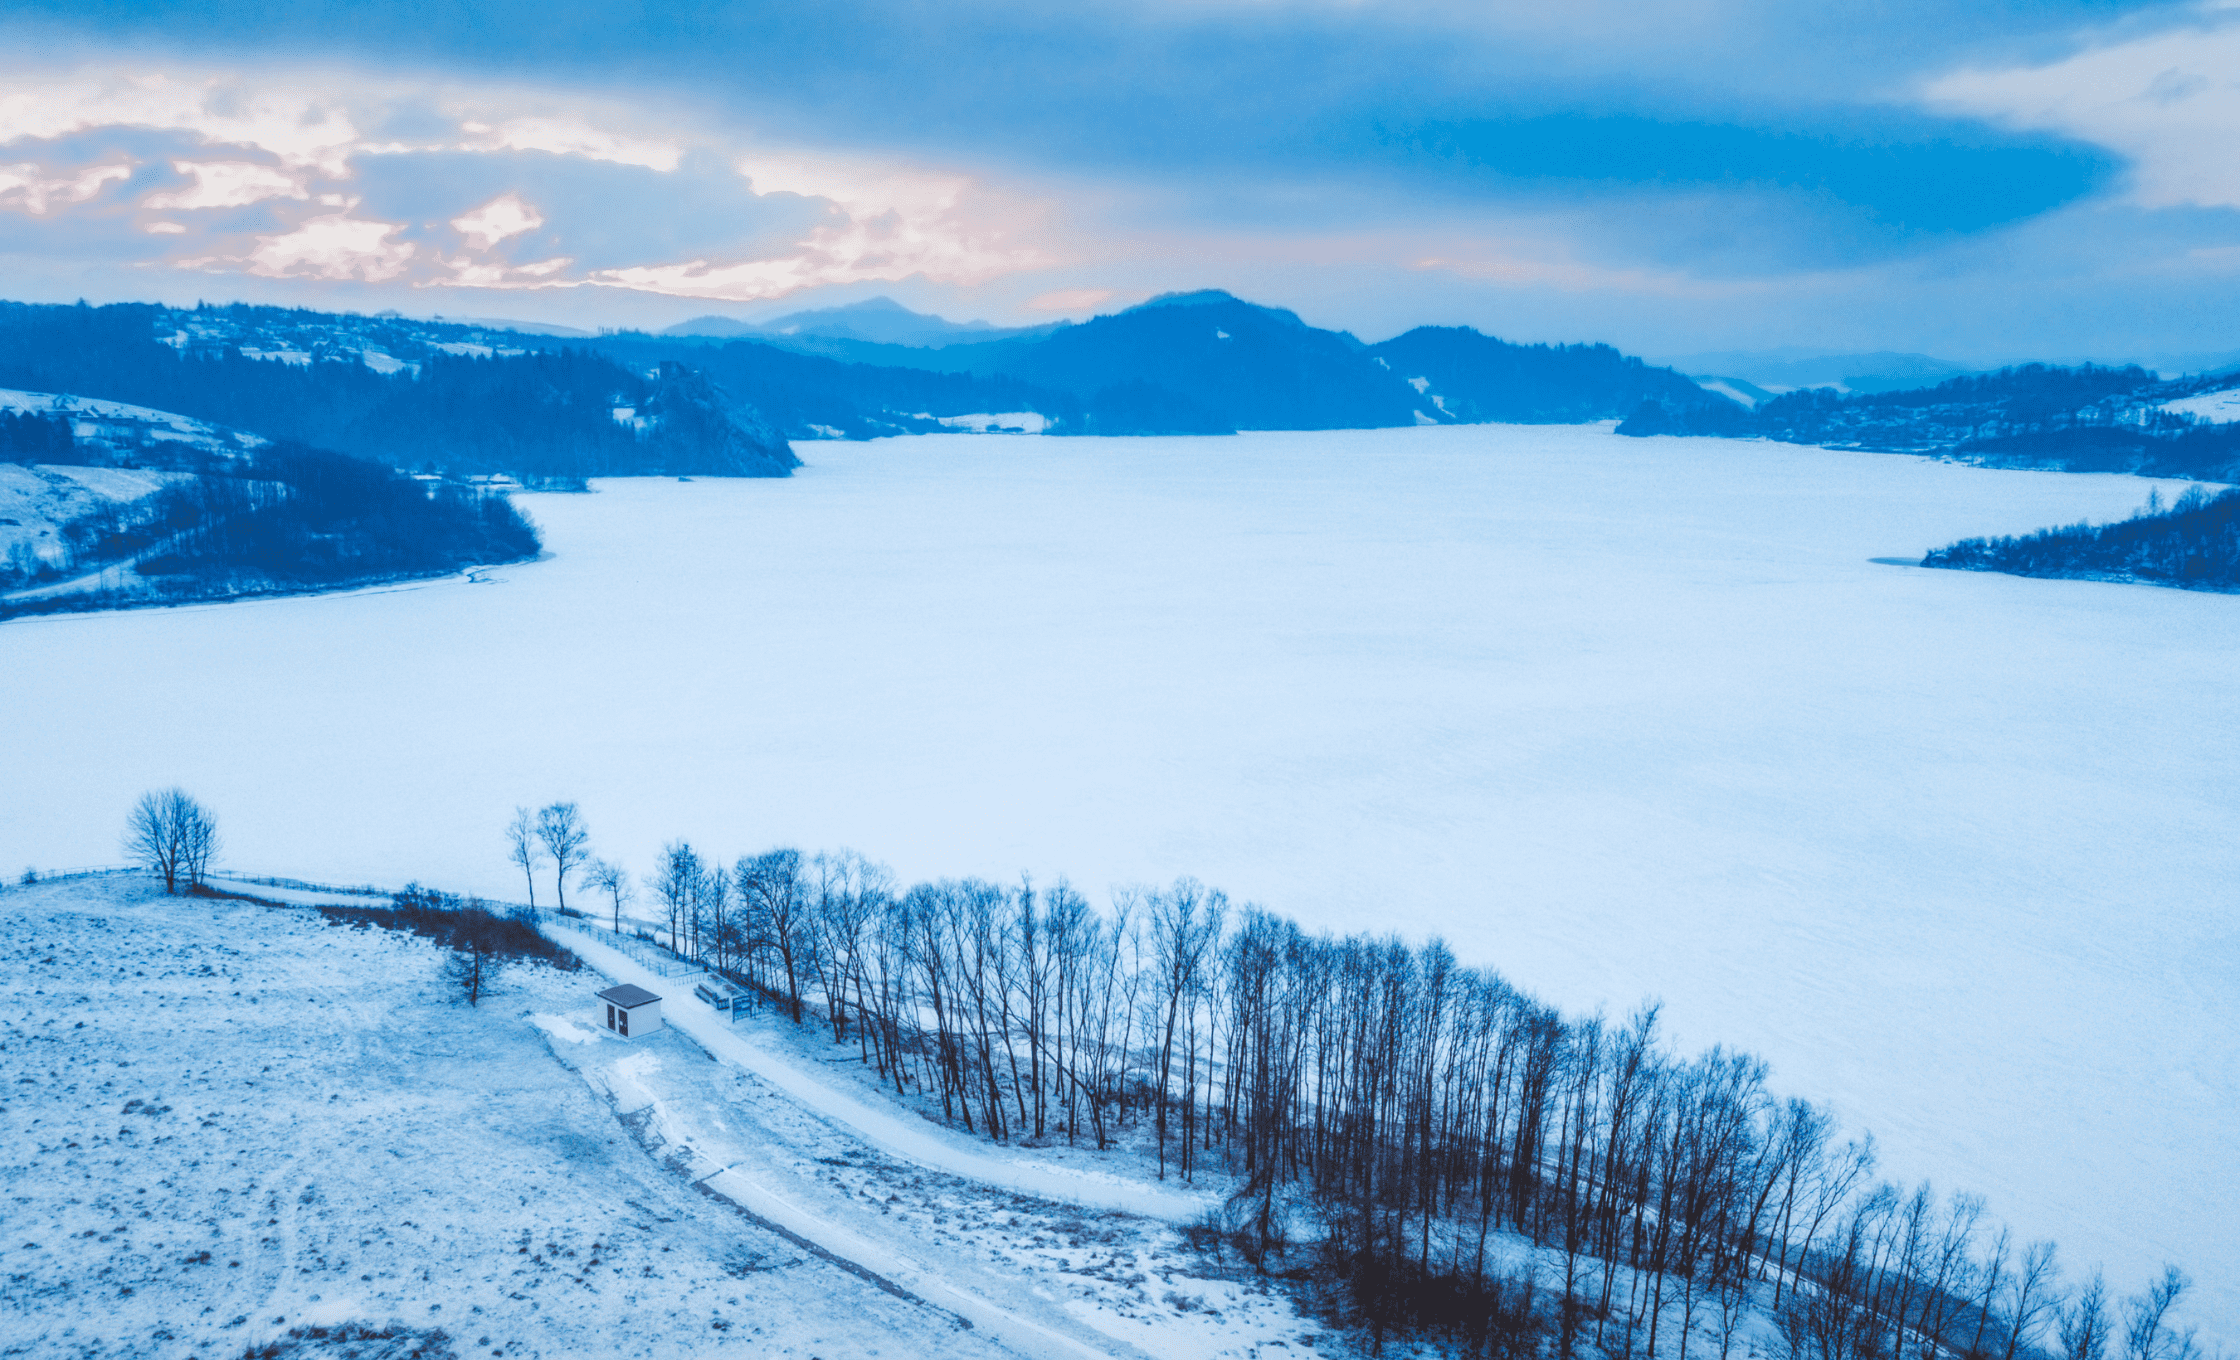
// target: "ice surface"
[[1621, 717]]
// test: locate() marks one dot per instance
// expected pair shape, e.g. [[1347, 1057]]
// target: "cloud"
[[34, 190], [887, 248], [298, 128], [499, 274], [225, 184], [1071, 300], [563, 136], [2167, 101], [702, 218], [1572, 276], [333, 246], [502, 217]]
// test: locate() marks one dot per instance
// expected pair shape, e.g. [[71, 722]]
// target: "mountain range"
[[838, 330], [1197, 363], [458, 397]]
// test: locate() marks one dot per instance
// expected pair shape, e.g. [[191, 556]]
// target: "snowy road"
[[901, 1135], [889, 1266]]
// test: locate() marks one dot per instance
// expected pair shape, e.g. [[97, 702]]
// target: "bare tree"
[[560, 827], [677, 881], [2084, 1324], [2147, 1334], [606, 876], [522, 849], [171, 835], [776, 898], [2030, 1296]]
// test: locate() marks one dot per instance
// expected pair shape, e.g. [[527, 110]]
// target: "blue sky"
[[1983, 182]]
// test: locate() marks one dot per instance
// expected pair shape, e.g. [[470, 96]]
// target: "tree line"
[[2194, 542], [279, 517], [1391, 1120]]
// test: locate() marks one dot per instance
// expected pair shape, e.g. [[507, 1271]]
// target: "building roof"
[[629, 996]]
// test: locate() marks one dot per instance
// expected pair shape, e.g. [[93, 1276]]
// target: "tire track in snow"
[[651, 1125], [901, 1135]]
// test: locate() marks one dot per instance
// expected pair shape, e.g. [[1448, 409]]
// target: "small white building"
[[631, 1009]]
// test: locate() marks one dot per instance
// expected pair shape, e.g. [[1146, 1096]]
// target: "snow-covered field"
[[227, 1122], [35, 502], [1622, 717], [2215, 407]]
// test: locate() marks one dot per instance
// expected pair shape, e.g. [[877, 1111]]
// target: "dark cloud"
[[1652, 165]]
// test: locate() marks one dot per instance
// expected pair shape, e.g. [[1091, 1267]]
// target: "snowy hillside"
[[386, 344], [229, 1122], [38, 503], [2221, 407], [121, 429]]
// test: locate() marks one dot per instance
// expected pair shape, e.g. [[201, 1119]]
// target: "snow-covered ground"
[[1622, 717], [224, 1122], [123, 424], [2215, 407], [35, 502]]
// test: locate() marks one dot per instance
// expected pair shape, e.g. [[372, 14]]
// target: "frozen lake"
[[1621, 717]]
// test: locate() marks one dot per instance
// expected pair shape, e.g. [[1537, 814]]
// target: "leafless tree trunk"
[[2084, 1323], [608, 877], [522, 849], [560, 827]]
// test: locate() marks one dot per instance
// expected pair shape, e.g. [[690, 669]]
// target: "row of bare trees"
[[1411, 1120]]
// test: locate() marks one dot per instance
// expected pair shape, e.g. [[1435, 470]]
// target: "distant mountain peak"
[[878, 321], [883, 303], [1203, 297], [1216, 297]]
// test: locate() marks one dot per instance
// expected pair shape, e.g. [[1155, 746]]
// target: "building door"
[[610, 1015], [623, 1028]]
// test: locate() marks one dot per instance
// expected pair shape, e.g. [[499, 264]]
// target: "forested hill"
[[1259, 368], [435, 405], [206, 513], [2079, 419], [457, 398], [2194, 544], [1471, 377], [1204, 362]]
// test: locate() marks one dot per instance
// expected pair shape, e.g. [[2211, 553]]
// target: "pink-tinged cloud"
[[35, 190], [334, 246], [295, 126], [226, 184], [503, 217], [1071, 300]]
